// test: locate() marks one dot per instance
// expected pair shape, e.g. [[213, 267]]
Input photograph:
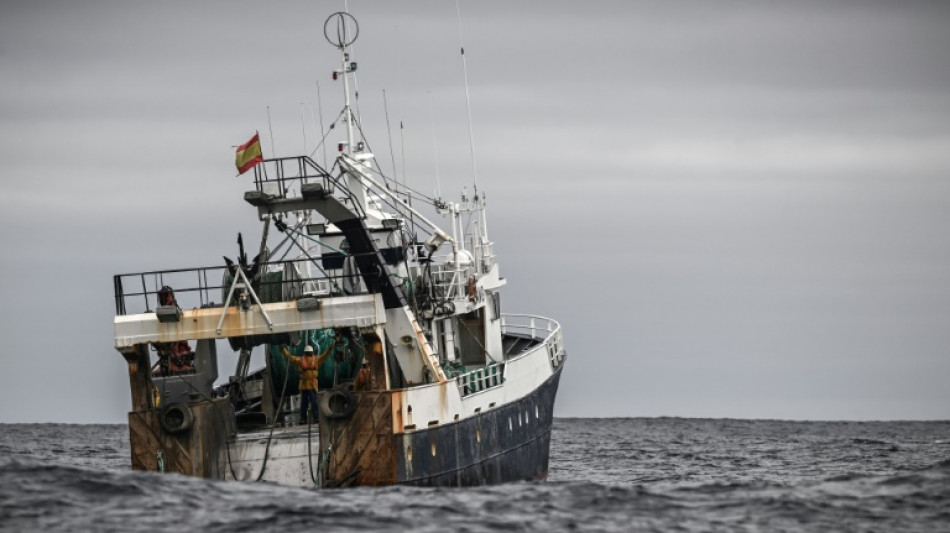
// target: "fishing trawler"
[[423, 380]]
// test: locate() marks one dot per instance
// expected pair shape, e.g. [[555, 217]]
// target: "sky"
[[734, 209]]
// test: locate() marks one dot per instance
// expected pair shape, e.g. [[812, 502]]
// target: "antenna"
[[468, 98], [402, 157], [336, 30], [303, 127], [342, 40], [273, 147], [323, 134], [356, 80], [435, 149], [389, 133], [402, 108]]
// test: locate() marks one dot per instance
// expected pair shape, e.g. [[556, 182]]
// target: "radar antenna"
[[339, 22]]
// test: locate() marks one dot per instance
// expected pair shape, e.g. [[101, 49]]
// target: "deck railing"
[[277, 177], [448, 280], [540, 328], [208, 286], [535, 327], [481, 379]]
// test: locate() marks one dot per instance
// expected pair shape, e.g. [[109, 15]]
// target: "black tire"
[[337, 403], [176, 418]]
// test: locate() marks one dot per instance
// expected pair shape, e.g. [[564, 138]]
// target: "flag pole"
[[258, 134]]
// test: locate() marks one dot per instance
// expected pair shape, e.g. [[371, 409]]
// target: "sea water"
[[641, 474]]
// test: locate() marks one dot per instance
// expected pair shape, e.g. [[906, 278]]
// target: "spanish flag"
[[248, 155]]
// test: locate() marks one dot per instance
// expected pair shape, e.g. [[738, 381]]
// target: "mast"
[[342, 38]]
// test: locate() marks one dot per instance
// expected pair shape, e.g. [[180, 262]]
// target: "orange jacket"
[[307, 366], [362, 379]]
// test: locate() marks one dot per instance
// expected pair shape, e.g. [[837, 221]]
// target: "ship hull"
[[487, 426], [504, 444]]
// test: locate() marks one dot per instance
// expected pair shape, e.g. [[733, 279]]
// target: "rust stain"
[[364, 446], [443, 402], [397, 403]]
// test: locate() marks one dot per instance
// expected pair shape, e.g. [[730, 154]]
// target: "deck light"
[[435, 241], [168, 313]]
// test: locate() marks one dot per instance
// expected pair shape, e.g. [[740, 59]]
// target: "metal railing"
[[486, 254], [277, 177], [540, 328], [447, 279], [481, 379], [208, 286], [535, 327]]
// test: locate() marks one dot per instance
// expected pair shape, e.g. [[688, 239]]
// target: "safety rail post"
[[145, 294], [119, 295]]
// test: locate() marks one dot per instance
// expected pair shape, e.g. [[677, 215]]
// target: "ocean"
[[632, 474]]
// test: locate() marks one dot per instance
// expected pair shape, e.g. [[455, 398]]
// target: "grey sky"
[[735, 209]]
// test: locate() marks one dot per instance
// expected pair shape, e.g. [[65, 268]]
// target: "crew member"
[[308, 367], [362, 377], [182, 359]]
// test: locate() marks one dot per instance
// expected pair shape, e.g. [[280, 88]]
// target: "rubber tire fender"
[[175, 418], [337, 403]]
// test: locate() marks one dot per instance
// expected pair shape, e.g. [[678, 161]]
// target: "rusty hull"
[[508, 443], [194, 452], [360, 447]]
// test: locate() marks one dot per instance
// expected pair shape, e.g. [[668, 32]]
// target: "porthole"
[[478, 435], [409, 454], [511, 427], [433, 449], [537, 413]]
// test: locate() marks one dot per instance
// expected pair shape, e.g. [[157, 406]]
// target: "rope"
[[309, 449], [325, 135], [273, 425], [314, 261], [421, 196]]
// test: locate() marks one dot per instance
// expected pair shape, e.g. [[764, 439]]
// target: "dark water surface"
[[606, 475]]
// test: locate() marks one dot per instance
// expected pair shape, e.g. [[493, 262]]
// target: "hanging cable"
[[420, 195], [323, 140]]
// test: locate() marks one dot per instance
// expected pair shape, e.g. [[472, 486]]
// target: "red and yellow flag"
[[248, 155]]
